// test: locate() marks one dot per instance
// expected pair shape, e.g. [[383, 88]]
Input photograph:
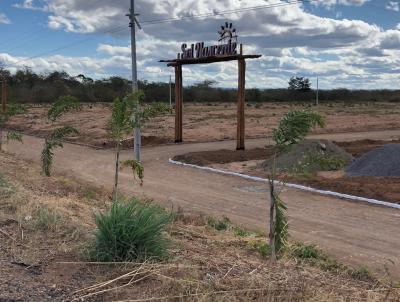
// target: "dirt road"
[[356, 233]]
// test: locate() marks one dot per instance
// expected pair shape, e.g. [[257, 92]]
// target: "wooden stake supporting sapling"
[[278, 224]]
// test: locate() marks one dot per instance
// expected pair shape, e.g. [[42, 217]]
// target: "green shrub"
[[240, 231], [363, 273], [305, 251], [219, 225], [326, 162], [316, 257], [131, 231], [262, 248], [314, 161]]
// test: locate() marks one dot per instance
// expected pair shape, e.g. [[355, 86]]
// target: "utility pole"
[[317, 100], [170, 91], [132, 24]]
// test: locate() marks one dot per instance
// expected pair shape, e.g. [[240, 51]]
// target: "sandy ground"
[[356, 233], [213, 122]]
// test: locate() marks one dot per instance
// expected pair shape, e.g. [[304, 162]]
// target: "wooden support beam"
[[178, 105], [4, 94], [241, 105], [208, 60]]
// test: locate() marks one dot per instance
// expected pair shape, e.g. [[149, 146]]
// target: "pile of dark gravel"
[[381, 162]]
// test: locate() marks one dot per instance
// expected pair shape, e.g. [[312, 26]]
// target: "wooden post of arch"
[[178, 104], [241, 105]]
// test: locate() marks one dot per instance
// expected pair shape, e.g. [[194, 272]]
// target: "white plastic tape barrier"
[[294, 186]]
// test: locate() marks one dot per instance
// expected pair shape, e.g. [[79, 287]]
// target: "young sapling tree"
[[55, 139], [11, 111], [121, 124], [295, 126], [292, 129]]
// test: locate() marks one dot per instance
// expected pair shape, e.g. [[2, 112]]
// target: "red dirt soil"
[[224, 156], [387, 189], [359, 148], [381, 188]]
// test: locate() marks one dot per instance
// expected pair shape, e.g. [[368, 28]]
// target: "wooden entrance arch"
[[178, 63]]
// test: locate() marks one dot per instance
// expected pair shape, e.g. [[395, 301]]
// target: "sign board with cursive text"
[[226, 47], [199, 51]]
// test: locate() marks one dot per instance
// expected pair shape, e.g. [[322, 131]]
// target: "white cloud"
[[393, 5], [113, 50], [30, 4], [353, 2], [332, 3], [280, 26], [391, 40], [4, 19]]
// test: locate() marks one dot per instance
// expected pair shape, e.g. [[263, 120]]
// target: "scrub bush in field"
[[219, 225], [131, 231]]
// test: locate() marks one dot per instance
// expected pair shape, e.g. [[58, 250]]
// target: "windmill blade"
[[230, 25], [226, 24]]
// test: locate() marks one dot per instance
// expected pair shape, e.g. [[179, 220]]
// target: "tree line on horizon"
[[26, 86]]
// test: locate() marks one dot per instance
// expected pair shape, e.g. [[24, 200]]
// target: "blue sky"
[[347, 43]]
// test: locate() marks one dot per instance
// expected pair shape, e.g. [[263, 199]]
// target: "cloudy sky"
[[347, 43]]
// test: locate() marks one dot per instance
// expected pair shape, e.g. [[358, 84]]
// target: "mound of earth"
[[311, 156], [381, 162]]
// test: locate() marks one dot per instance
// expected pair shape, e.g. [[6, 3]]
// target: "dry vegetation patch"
[[46, 224]]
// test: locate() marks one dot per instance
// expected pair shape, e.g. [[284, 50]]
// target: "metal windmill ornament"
[[227, 33]]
